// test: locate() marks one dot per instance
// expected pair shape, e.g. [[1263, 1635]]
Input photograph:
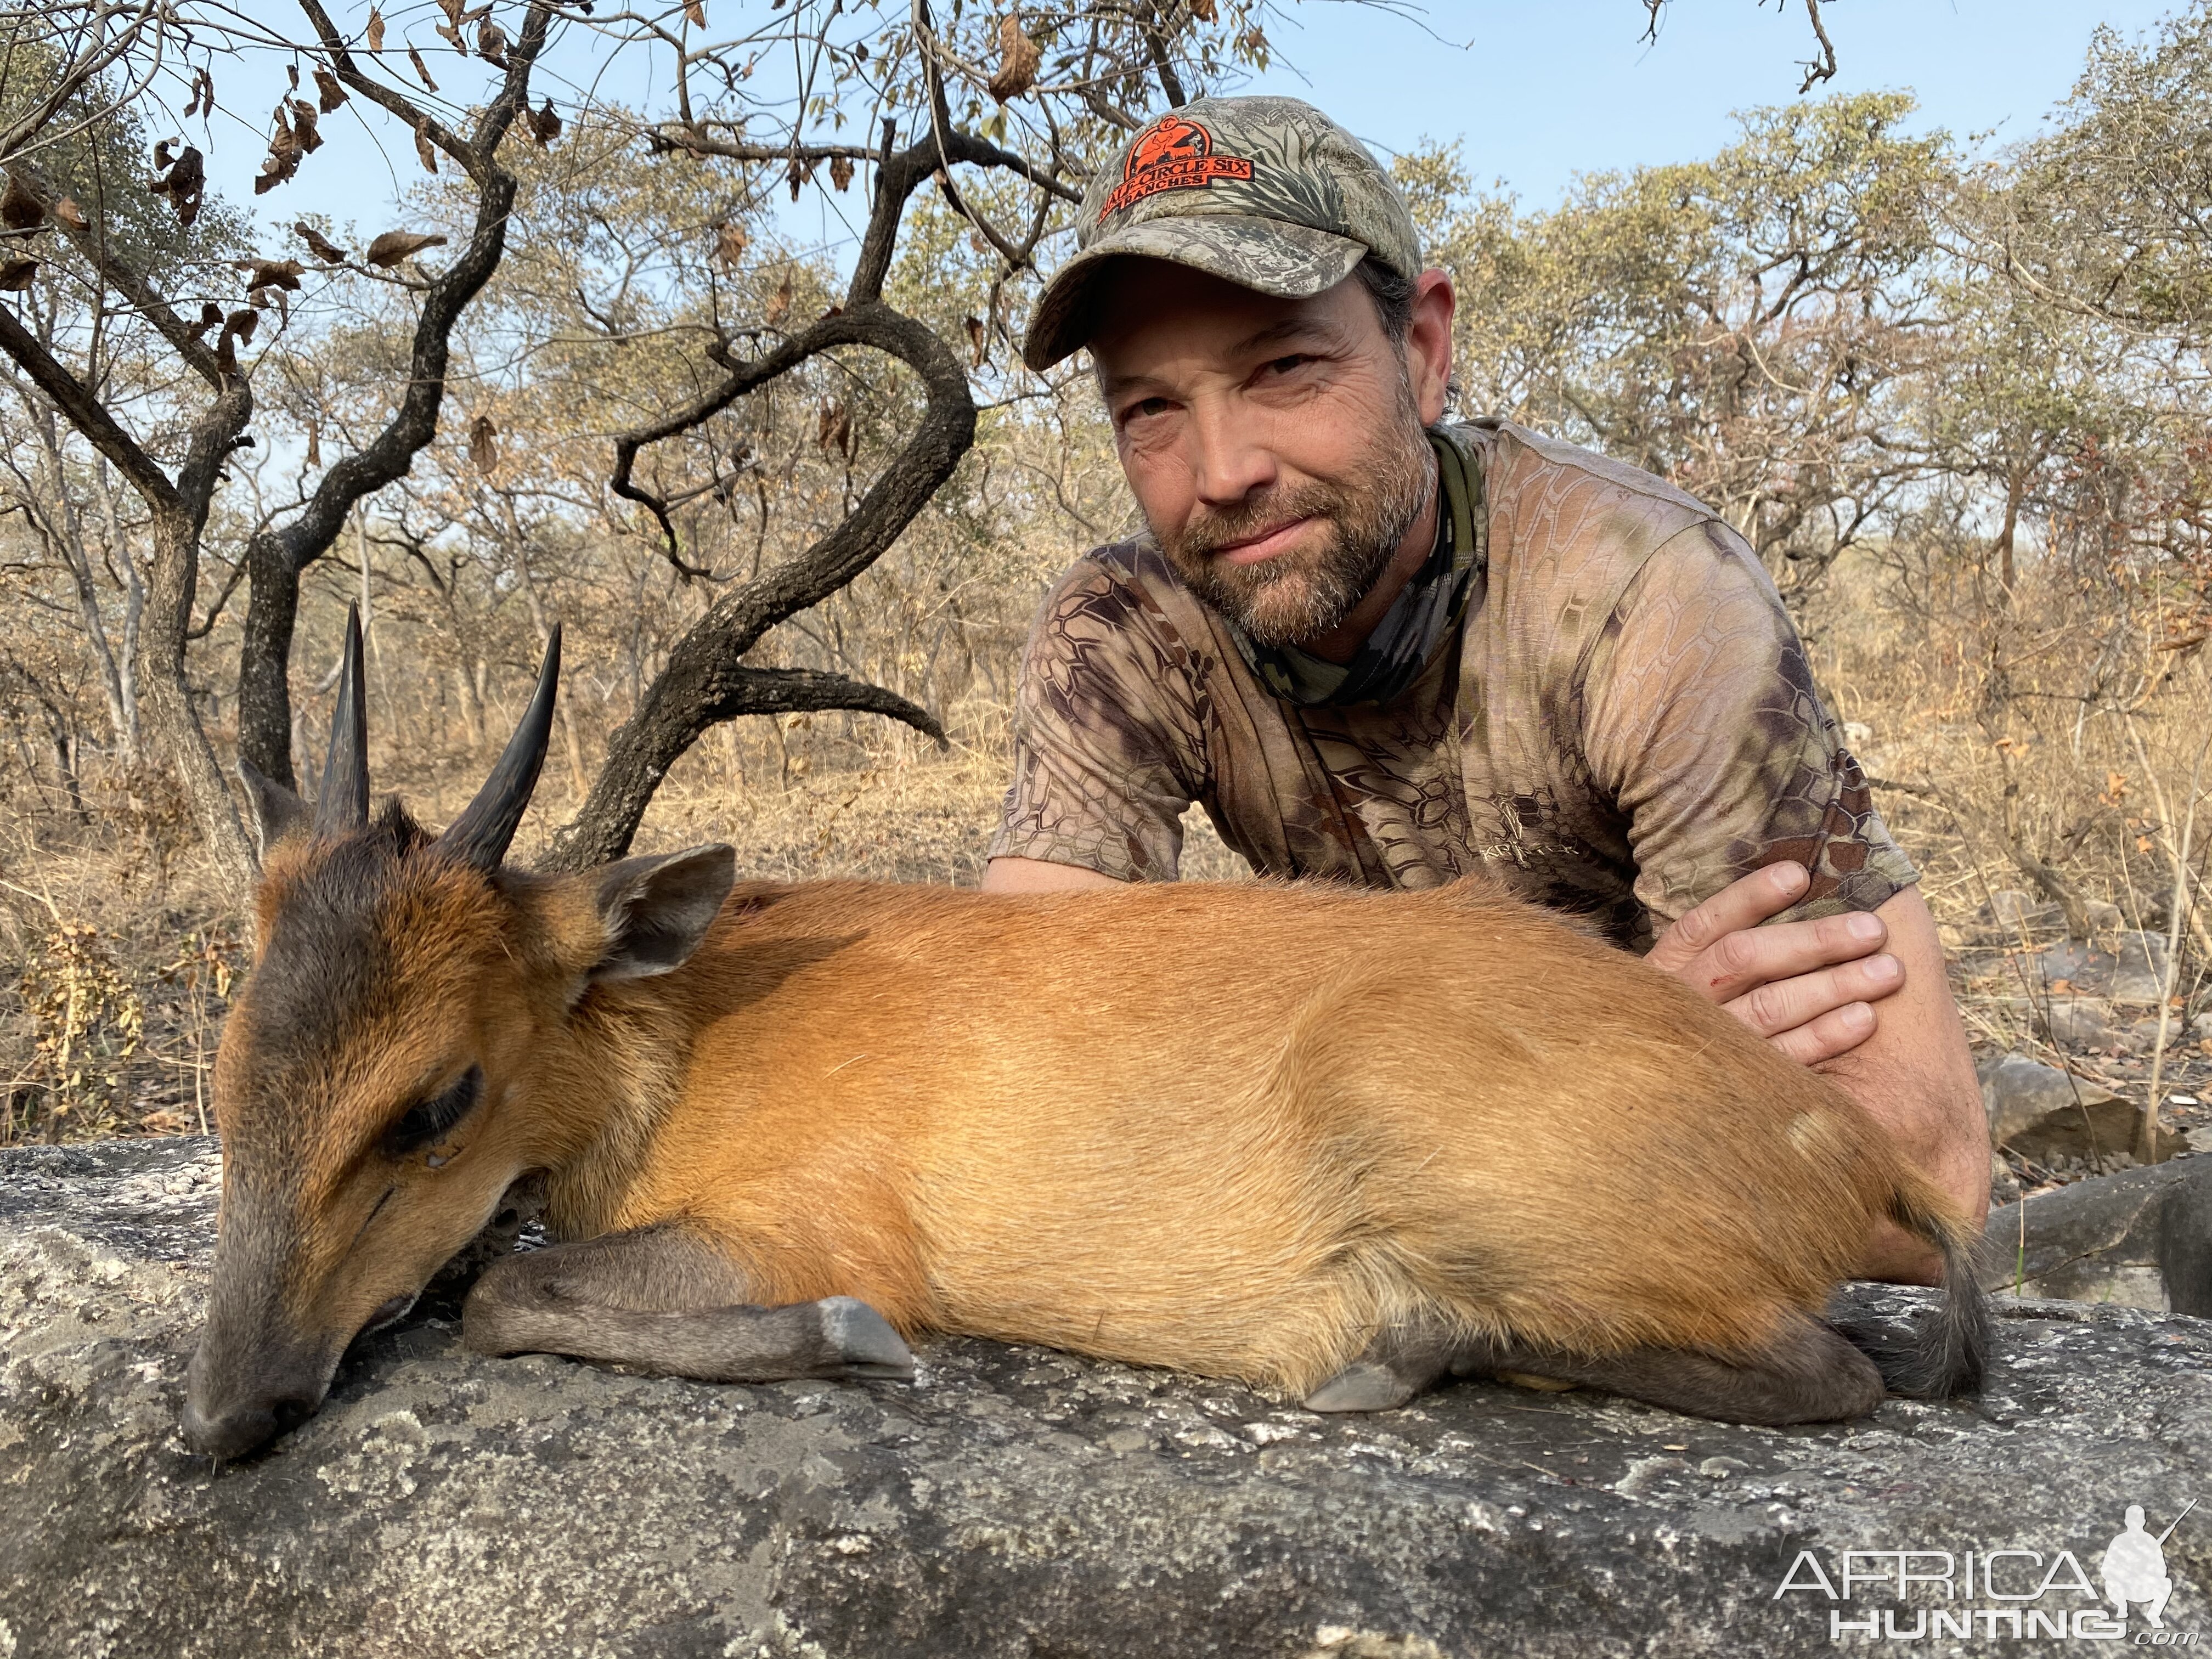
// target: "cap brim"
[[1266, 255]]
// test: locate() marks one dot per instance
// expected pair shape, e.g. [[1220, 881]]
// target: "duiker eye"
[[426, 1121]]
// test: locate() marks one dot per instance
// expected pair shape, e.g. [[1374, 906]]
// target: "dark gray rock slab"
[[2141, 1238], [1013, 1501]]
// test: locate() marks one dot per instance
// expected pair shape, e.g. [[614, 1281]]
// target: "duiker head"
[[374, 1078]]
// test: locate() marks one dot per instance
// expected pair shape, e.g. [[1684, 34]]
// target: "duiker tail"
[[1945, 1355]]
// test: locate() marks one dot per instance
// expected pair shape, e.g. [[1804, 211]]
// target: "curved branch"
[[794, 691], [704, 673]]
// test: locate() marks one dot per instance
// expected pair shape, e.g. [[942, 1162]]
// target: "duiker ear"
[[656, 911], [277, 812]]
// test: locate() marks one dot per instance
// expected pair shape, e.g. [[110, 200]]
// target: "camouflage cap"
[[1267, 193]]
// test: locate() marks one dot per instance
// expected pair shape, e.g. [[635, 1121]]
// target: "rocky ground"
[[1016, 1502]]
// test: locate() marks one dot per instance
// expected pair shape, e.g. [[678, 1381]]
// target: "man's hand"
[[1810, 988]]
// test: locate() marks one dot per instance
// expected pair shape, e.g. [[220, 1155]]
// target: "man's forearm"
[[1017, 875], [1915, 1076]]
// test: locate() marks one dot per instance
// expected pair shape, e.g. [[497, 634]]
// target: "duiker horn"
[[479, 836], [341, 803]]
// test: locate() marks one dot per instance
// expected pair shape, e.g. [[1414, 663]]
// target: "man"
[[1379, 647]]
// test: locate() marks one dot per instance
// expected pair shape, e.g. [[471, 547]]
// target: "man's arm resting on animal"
[[1017, 875], [1916, 1076], [1881, 1022]]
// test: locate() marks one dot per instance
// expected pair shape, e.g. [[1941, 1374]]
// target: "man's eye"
[[1143, 408], [1287, 365], [430, 1119]]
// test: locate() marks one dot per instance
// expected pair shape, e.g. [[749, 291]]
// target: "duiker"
[[1333, 1142]]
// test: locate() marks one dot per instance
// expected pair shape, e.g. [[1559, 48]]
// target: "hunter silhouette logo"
[[1174, 152]]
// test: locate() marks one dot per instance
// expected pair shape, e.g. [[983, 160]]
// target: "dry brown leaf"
[[451, 36], [730, 244], [314, 441], [261, 299], [328, 91], [778, 303], [293, 70], [22, 208], [491, 44], [1202, 10], [841, 171], [237, 331], [545, 126], [183, 180], [375, 29], [320, 245], [70, 214], [16, 274], [420, 68], [975, 341], [1018, 57], [696, 12], [202, 98], [285, 150], [210, 314], [797, 174], [834, 427], [271, 273], [304, 120], [424, 148], [484, 444], [393, 245]]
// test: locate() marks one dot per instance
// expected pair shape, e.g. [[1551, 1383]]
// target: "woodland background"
[[1955, 395]]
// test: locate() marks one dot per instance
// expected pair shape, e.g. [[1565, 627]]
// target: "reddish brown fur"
[[1233, 1129]]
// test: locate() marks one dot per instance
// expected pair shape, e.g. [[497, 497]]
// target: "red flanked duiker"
[[1337, 1143]]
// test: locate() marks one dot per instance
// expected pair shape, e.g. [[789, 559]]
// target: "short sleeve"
[[1701, 719], [1109, 734]]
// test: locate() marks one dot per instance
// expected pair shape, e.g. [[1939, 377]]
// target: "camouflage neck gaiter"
[[1417, 621]]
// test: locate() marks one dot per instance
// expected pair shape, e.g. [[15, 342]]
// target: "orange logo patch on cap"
[[1174, 152]]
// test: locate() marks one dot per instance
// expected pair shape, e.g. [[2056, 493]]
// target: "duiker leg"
[[1809, 1374], [665, 1299]]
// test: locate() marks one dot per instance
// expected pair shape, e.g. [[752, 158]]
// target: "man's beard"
[[1296, 596]]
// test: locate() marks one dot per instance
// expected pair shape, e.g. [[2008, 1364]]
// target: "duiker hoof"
[[1362, 1386], [861, 1342]]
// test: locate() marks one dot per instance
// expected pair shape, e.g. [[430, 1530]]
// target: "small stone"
[[1719, 1469], [2139, 974]]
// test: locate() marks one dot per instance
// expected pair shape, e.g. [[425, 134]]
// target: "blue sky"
[[1538, 93]]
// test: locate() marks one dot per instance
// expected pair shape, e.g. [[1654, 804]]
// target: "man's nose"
[[1228, 461]]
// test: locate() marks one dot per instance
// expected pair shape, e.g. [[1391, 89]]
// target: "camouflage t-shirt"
[[1624, 723]]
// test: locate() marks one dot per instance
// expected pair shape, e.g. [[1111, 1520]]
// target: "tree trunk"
[[167, 704], [264, 692], [68, 536]]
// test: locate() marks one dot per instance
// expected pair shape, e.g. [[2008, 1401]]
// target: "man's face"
[[1274, 446]]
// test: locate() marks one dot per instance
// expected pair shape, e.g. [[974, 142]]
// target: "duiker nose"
[[231, 1428]]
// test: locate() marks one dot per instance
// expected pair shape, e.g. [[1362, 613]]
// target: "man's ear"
[[1429, 345], [655, 910], [277, 811]]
